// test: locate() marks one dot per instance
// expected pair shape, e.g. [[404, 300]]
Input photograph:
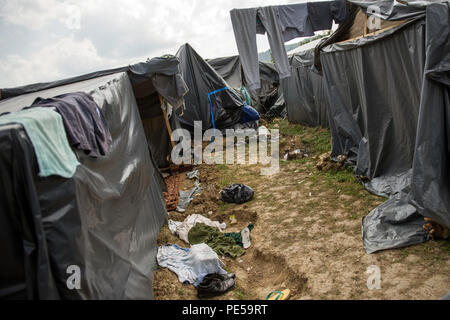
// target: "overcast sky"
[[45, 40]]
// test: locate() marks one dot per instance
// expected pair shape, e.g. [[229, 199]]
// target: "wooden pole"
[[166, 119], [365, 26]]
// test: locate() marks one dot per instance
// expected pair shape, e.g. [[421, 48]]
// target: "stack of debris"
[[172, 196], [327, 164]]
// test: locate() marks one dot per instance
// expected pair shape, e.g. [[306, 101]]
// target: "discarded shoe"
[[279, 295], [245, 234], [215, 284]]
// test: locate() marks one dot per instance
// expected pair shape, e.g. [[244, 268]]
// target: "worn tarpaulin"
[[105, 220], [210, 99], [229, 68], [378, 90], [156, 76], [431, 172], [373, 106], [305, 92], [278, 109], [163, 72], [373, 120]]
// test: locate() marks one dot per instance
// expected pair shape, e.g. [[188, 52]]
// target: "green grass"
[[240, 294], [317, 139]]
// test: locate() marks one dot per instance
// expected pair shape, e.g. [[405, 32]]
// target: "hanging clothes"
[[281, 23], [85, 125], [46, 132]]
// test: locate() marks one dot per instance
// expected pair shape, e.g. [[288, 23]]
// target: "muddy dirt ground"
[[307, 234]]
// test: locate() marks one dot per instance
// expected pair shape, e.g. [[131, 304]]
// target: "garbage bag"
[[249, 114], [237, 193]]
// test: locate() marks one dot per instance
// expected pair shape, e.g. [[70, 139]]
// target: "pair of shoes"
[[215, 284]]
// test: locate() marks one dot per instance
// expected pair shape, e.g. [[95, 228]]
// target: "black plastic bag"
[[237, 193]]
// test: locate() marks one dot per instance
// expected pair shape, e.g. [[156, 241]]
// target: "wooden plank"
[[398, 23], [166, 119], [365, 26]]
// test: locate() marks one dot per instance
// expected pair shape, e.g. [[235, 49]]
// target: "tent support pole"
[[166, 119]]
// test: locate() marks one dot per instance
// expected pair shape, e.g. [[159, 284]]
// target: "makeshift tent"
[[106, 218], [264, 98], [210, 99], [388, 92], [304, 91]]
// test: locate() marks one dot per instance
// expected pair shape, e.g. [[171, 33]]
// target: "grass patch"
[[240, 294]]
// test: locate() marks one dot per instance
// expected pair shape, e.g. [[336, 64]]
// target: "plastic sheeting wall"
[[431, 172], [388, 95], [374, 93], [105, 219], [202, 80], [304, 92], [229, 68]]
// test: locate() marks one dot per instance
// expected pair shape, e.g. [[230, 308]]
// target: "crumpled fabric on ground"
[[237, 193], [221, 244], [46, 131], [190, 263], [182, 228], [187, 196], [237, 237]]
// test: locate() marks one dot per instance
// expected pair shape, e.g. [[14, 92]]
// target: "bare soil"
[[306, 236]]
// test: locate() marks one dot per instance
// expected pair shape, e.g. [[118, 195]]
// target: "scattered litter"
[[279, 295], [193, 174], [246, 238], [233, 219], [310, 194], [187, 196], [210, 212], [190, 263], [296, 154], [182, 228], [263, 131], [436, 230], [327, 164], [221, 244], [172, 196], [242, 238], [236, 193], [215, 284]]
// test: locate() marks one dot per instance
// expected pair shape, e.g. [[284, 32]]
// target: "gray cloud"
[[45, 40]]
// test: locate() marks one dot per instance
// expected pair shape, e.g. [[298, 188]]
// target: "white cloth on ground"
[[182, 228], [190, 263]]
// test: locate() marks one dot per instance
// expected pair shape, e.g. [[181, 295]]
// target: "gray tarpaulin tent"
[[210, 98], [230, 69], [106, 218], [304, 91], [388, 93]]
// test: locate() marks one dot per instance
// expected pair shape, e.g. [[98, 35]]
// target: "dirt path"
[[307, 235]]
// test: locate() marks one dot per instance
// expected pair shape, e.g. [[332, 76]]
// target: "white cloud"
[[46, 40]]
